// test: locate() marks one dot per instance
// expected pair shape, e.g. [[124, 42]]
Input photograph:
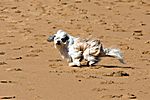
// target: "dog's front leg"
[[75, 58], [76, 62]]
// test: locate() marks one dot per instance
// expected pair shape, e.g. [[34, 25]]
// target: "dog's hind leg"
[[90, 58]]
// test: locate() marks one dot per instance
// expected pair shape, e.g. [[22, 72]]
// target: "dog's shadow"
[[113, 66], [107, 66]]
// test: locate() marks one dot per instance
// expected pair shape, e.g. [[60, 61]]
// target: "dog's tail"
[[111, 52]]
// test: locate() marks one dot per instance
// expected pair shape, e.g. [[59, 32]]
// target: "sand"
[[32, 69]]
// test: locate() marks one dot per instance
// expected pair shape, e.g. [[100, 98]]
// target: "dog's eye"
[[65, 39]]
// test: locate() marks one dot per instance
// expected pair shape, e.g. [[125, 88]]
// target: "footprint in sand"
[[13, 69], [6, 81], [2, 63], [7, 97], [147, 42], [110, 82], [22, 47], [107, 82], [108, 97], [18, 48], [4, 43], [125, 46], [97, 3], [147, 13], [129, 96], [2, 53], [55, 65], [27, 46], [146, 52], [117, 74], [54, 60], [40, 35], [15, 58], [36, 51], [10, 36], [31, 55], [121, 96], [137, 32], [99, 89]]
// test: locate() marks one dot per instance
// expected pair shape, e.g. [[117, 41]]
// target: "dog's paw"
[[74, 64], [91, 63]]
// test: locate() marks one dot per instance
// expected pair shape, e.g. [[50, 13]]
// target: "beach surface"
[[32, 69]]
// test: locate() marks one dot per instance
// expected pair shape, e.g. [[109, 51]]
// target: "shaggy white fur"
[[75, 49]]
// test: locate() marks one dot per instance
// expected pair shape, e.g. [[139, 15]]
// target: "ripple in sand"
[[2, 53], [3, 63], [117, 74]]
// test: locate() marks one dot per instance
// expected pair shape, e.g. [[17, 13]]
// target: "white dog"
[[76, 49]]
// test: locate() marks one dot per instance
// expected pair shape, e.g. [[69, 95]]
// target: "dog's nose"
[[58, 43]]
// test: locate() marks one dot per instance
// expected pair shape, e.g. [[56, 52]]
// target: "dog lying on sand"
[[74, 50]]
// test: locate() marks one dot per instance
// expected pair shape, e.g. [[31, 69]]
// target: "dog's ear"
[[51, 38]]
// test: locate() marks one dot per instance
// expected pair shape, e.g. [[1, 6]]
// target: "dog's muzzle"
[[58, 43]]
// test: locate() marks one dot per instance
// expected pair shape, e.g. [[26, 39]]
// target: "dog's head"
[[60, 38]]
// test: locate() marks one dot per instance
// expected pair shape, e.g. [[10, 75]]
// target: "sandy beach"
[[32, 69]]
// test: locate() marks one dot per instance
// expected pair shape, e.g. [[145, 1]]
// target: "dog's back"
[[92, 50], [92, 47]]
